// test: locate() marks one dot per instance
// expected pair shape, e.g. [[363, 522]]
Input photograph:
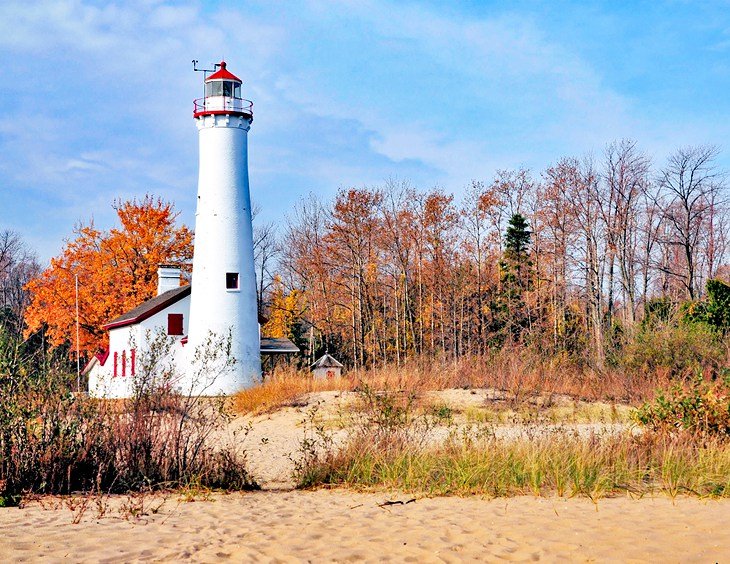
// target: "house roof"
[[156, 305], [149, 308], [278, 346], [326, 361]]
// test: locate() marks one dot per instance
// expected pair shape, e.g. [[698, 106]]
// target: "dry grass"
[[573, 413], [561, 464], [284, 388], [391, 447], [523, 374]]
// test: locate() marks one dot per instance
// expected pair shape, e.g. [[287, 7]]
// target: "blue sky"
[[95, 97]]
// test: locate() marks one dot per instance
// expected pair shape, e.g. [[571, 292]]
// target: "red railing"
[[212, 105]]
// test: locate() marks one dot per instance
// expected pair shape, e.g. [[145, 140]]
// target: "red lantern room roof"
[[223, 74]]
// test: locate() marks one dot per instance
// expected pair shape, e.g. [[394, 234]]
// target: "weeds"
[[389, 449], [52, 441]]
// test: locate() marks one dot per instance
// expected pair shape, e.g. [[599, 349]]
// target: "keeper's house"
[[112, 373]]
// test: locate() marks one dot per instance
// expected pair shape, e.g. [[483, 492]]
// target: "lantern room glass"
[[226, 88]]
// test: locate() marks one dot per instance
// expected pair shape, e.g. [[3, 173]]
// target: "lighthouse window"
[[214, 88], [231, 280], [228, 89], [236, 90]]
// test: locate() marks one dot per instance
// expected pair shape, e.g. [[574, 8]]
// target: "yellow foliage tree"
[[285, 310], [116, 270]]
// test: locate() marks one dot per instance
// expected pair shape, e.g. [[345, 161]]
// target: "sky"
[[96, 97]]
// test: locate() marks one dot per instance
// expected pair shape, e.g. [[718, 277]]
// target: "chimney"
[[168, 278]]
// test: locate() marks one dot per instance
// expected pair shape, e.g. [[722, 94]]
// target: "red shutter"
[[116, 355], [174, 323], [133, 359], [124, 363]]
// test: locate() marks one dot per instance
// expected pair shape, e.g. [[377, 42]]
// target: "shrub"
[[714, 310], [701, 408], [54, 441], [676, 350]]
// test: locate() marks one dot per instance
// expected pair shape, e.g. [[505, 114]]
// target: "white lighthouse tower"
[[223, 294]]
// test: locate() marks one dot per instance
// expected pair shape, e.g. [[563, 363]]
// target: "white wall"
[[103, 383]]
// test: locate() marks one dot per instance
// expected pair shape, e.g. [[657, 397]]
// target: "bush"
[[702, 408], [54, 441], [676, 350], [714, 310]]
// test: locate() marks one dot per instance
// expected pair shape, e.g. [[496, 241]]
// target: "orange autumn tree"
[[117, 271]]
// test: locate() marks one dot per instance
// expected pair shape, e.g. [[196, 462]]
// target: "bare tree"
[[398, 218], [18, 265], [626, 176], [479, 243], [265, 251], [692, 189]]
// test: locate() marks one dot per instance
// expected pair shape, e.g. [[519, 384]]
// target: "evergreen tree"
[[517, 242], [515, 275]]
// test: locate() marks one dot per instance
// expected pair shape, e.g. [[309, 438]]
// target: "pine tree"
[[515, 274], [517, 242]]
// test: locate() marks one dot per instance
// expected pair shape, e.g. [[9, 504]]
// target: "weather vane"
[[206, 71]]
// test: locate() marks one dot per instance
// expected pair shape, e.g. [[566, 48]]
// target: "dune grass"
[[393, 446], [572, 412], [557, 464]]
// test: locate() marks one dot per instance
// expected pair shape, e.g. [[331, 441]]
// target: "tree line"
[[568, 261], [578, 260]]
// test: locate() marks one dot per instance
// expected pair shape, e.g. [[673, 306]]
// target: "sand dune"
[[341, 526]]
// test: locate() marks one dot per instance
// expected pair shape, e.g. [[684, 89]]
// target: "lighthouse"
[[223, 297]]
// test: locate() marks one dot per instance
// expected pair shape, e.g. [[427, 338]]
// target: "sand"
[[323, 526]]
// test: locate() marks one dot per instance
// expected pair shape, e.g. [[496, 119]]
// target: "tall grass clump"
[[558, 464], [56, 441]]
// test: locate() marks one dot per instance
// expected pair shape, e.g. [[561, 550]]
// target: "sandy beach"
[[280, 524], [322, 526]]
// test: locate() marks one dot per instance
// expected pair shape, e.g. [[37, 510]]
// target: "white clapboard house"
[[112, 373]]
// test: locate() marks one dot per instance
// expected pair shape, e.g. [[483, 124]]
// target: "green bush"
[[714, 310], [701, 408], [675, 350]]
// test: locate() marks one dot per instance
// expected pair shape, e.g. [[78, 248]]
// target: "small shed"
[[326, 367], [274, 350]]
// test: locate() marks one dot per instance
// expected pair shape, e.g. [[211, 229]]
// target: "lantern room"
[[222, 96]]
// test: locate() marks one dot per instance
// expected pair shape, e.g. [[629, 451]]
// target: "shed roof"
[[326, 361], [278, 346]]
